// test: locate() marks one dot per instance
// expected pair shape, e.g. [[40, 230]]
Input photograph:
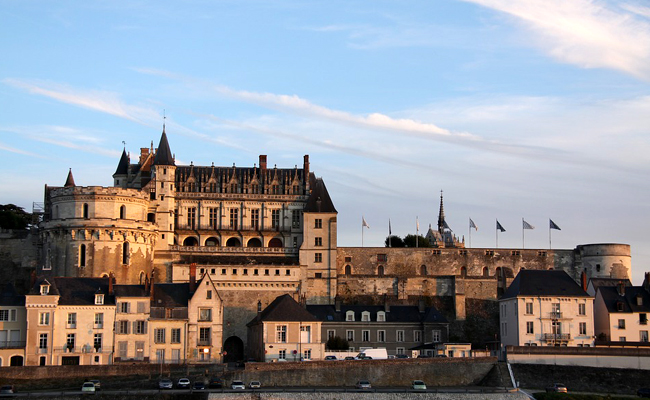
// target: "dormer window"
[[365, 316], [45, 289], [639, 300], [99, 299], [381, 316], [619, 305], [349, 316]]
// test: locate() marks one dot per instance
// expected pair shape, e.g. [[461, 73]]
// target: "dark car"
[[198, 385], [401, 356], [330, 358], [348, 358], [8, 389], [557, 388], [215, 383], [643, 392]]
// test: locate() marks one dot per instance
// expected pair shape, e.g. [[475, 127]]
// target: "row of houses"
[[548, 308]]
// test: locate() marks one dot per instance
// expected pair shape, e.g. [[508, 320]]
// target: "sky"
[[516, 109]]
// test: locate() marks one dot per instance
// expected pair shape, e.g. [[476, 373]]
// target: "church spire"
[[69, 182], [441, 216], [164, 153]]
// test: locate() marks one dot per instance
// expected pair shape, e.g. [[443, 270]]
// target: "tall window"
[[318, 223], [282, 354], [381, 336], [400, 336], [140, 327], [72, 320], [159, 335], [85, 210], [621, 324], [436, 335], [82, 256], [44, 318], [349, 335], [176, 335], [124, 307], [204, 336], [318, 241], [213, 214], [122, 212], [307, 354], [191, 217], [255, 219], [97, 340], [275, 219], [125, 253], [318, 257], [582, 309], [583, 328], [123, 327], [99, 320], [42, 341], [365, 336], [417, 336], [529, 308], [529, 327], [295, 219], [69, 341], [643, 336], [205, 314], [281, 333], [234, 218]]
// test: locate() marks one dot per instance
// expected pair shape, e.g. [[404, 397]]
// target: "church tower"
[[164, 179]]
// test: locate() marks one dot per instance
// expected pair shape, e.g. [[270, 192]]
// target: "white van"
[[375, 354]]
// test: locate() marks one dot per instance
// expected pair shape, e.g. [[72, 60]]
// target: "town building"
[[13, 327], [546, 308], [621, 314]]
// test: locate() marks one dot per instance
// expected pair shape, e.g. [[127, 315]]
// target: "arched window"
[[349, 315], [463, 272], [486, 272], [254, 242], [211, 242], [365, 316], [122, 212], [125, 253], [142, 277], [82, 256], [423, 270], [348, 270], [275, 242], [380, 270], [233, 242], [190, 241], [85, 210]]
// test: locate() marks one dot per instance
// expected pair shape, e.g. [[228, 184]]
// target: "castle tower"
[[121, 175], [164, 178]]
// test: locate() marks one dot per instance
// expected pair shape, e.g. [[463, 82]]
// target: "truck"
[[372, 354]]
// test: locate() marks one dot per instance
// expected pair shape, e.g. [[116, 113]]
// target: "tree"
[[337, 343], [409, 241], [13, 217], [395, 241]]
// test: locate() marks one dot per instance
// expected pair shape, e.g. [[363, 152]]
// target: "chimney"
[[192, 277], [111, 278], [259, 306], [305, 166], [263, 162], [421, 306], [386, 304], [337, 304], [144, 153], [646, 282], [621, 288], [584, 281]]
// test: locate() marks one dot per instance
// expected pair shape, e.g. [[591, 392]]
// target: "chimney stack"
[[259, 306], [305, 166], [263, 162], [111, 279], [337, 304], [386, 304], [584, 281], [192, 277], [421, 306], [621, 288]]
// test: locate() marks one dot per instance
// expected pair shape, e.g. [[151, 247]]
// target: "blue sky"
[[530, 109]]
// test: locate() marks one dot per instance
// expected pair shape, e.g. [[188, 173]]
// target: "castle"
[[260, 232]]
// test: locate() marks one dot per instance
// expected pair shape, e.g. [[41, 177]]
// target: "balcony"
[[556, 315], [551, 337], [12, 344], [235, 250], [204, 342]]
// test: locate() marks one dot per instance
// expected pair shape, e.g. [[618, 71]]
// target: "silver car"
[[238, 385], [362, 384]]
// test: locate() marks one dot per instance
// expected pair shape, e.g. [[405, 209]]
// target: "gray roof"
[[283, 308], [319, 200], [163, 154], [627, 300], [130, 291], [123, 165], [397, 314], [76, 291], [543, 283], [9, 296]]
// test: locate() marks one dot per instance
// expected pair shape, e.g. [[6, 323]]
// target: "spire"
[[123, 165], [69, 182], [164, 153], [441, 216]]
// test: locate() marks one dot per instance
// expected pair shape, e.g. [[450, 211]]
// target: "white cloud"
[[587, 33]]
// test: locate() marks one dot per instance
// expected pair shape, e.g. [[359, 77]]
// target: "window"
[[44, 318], [255, 219], [125, 307], [123, 327], [99, 320], [348, 270], [555, 310], [621, 324], [318, 241], [529, 308], [365, 336], [234, 218], [622, 339], [159, 335], [381, 336], [126, 254], [643, 319], [619, 306], [295, 219], [583, 328], [122, 212], [349, 315], [382, 258], [400, 336], [72, 321], [417, 336], [365, 316], [436, 335], [82, 256], [123, 349], [208, 294], [191, 217], [380, 270], [213, 214], [318, 275], [85, 210], [282, 354], [204, 336], [42, 341], [97, 341], [99, 299], [643, 336], [205, 314], [139, 327], [318, 257], [318, 223], [582, 309], [69, 341], [349, 335], [529, 328], [307, 354], [275, 219], [45, 289], [381, 316], [400, 350], [281, 333], [330, 333], [423, 270]]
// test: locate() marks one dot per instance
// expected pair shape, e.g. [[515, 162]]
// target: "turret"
[[164, 182], [69, 182], [121, 175]]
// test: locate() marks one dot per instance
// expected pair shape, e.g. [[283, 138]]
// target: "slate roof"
[[130, 291], [283, 308], [319, 201], [123, 165], [628, 300], [69, 181], [543, 283], [36, 289], [9, 296], [397, 314], [171, 295], [612, 282], [163, 154], [76, 291]]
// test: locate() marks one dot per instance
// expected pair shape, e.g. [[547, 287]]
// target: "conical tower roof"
[[123, 166], [69, 182], [441, 216], [164, 153]]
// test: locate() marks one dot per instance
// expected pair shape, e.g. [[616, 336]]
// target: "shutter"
[[146, 324], [135, 327]]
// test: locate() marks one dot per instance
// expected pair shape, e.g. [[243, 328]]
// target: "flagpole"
[[417, 231], [361, 231], [470, 235], [497, 235], [549, 236], [523, 238]]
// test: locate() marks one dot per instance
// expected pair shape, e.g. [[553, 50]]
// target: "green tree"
[[395, 241], [13, 217], [409, 241], [337, 343]]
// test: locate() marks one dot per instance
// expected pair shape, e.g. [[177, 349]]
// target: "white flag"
[[364, 223]]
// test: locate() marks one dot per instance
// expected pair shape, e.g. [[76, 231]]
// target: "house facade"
[[13, 327], [621, 314], [546, 308]]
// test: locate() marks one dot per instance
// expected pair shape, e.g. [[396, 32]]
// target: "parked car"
[[363, 384], [330, 358], [215, 383], [98, 384], [418, 385], [238, 385], [165, 383], [557, 388], [643, 392], [88, 387], [198, 385], [348, 358], [183, 383], [255, 384], [8, 389], [401, 356]]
